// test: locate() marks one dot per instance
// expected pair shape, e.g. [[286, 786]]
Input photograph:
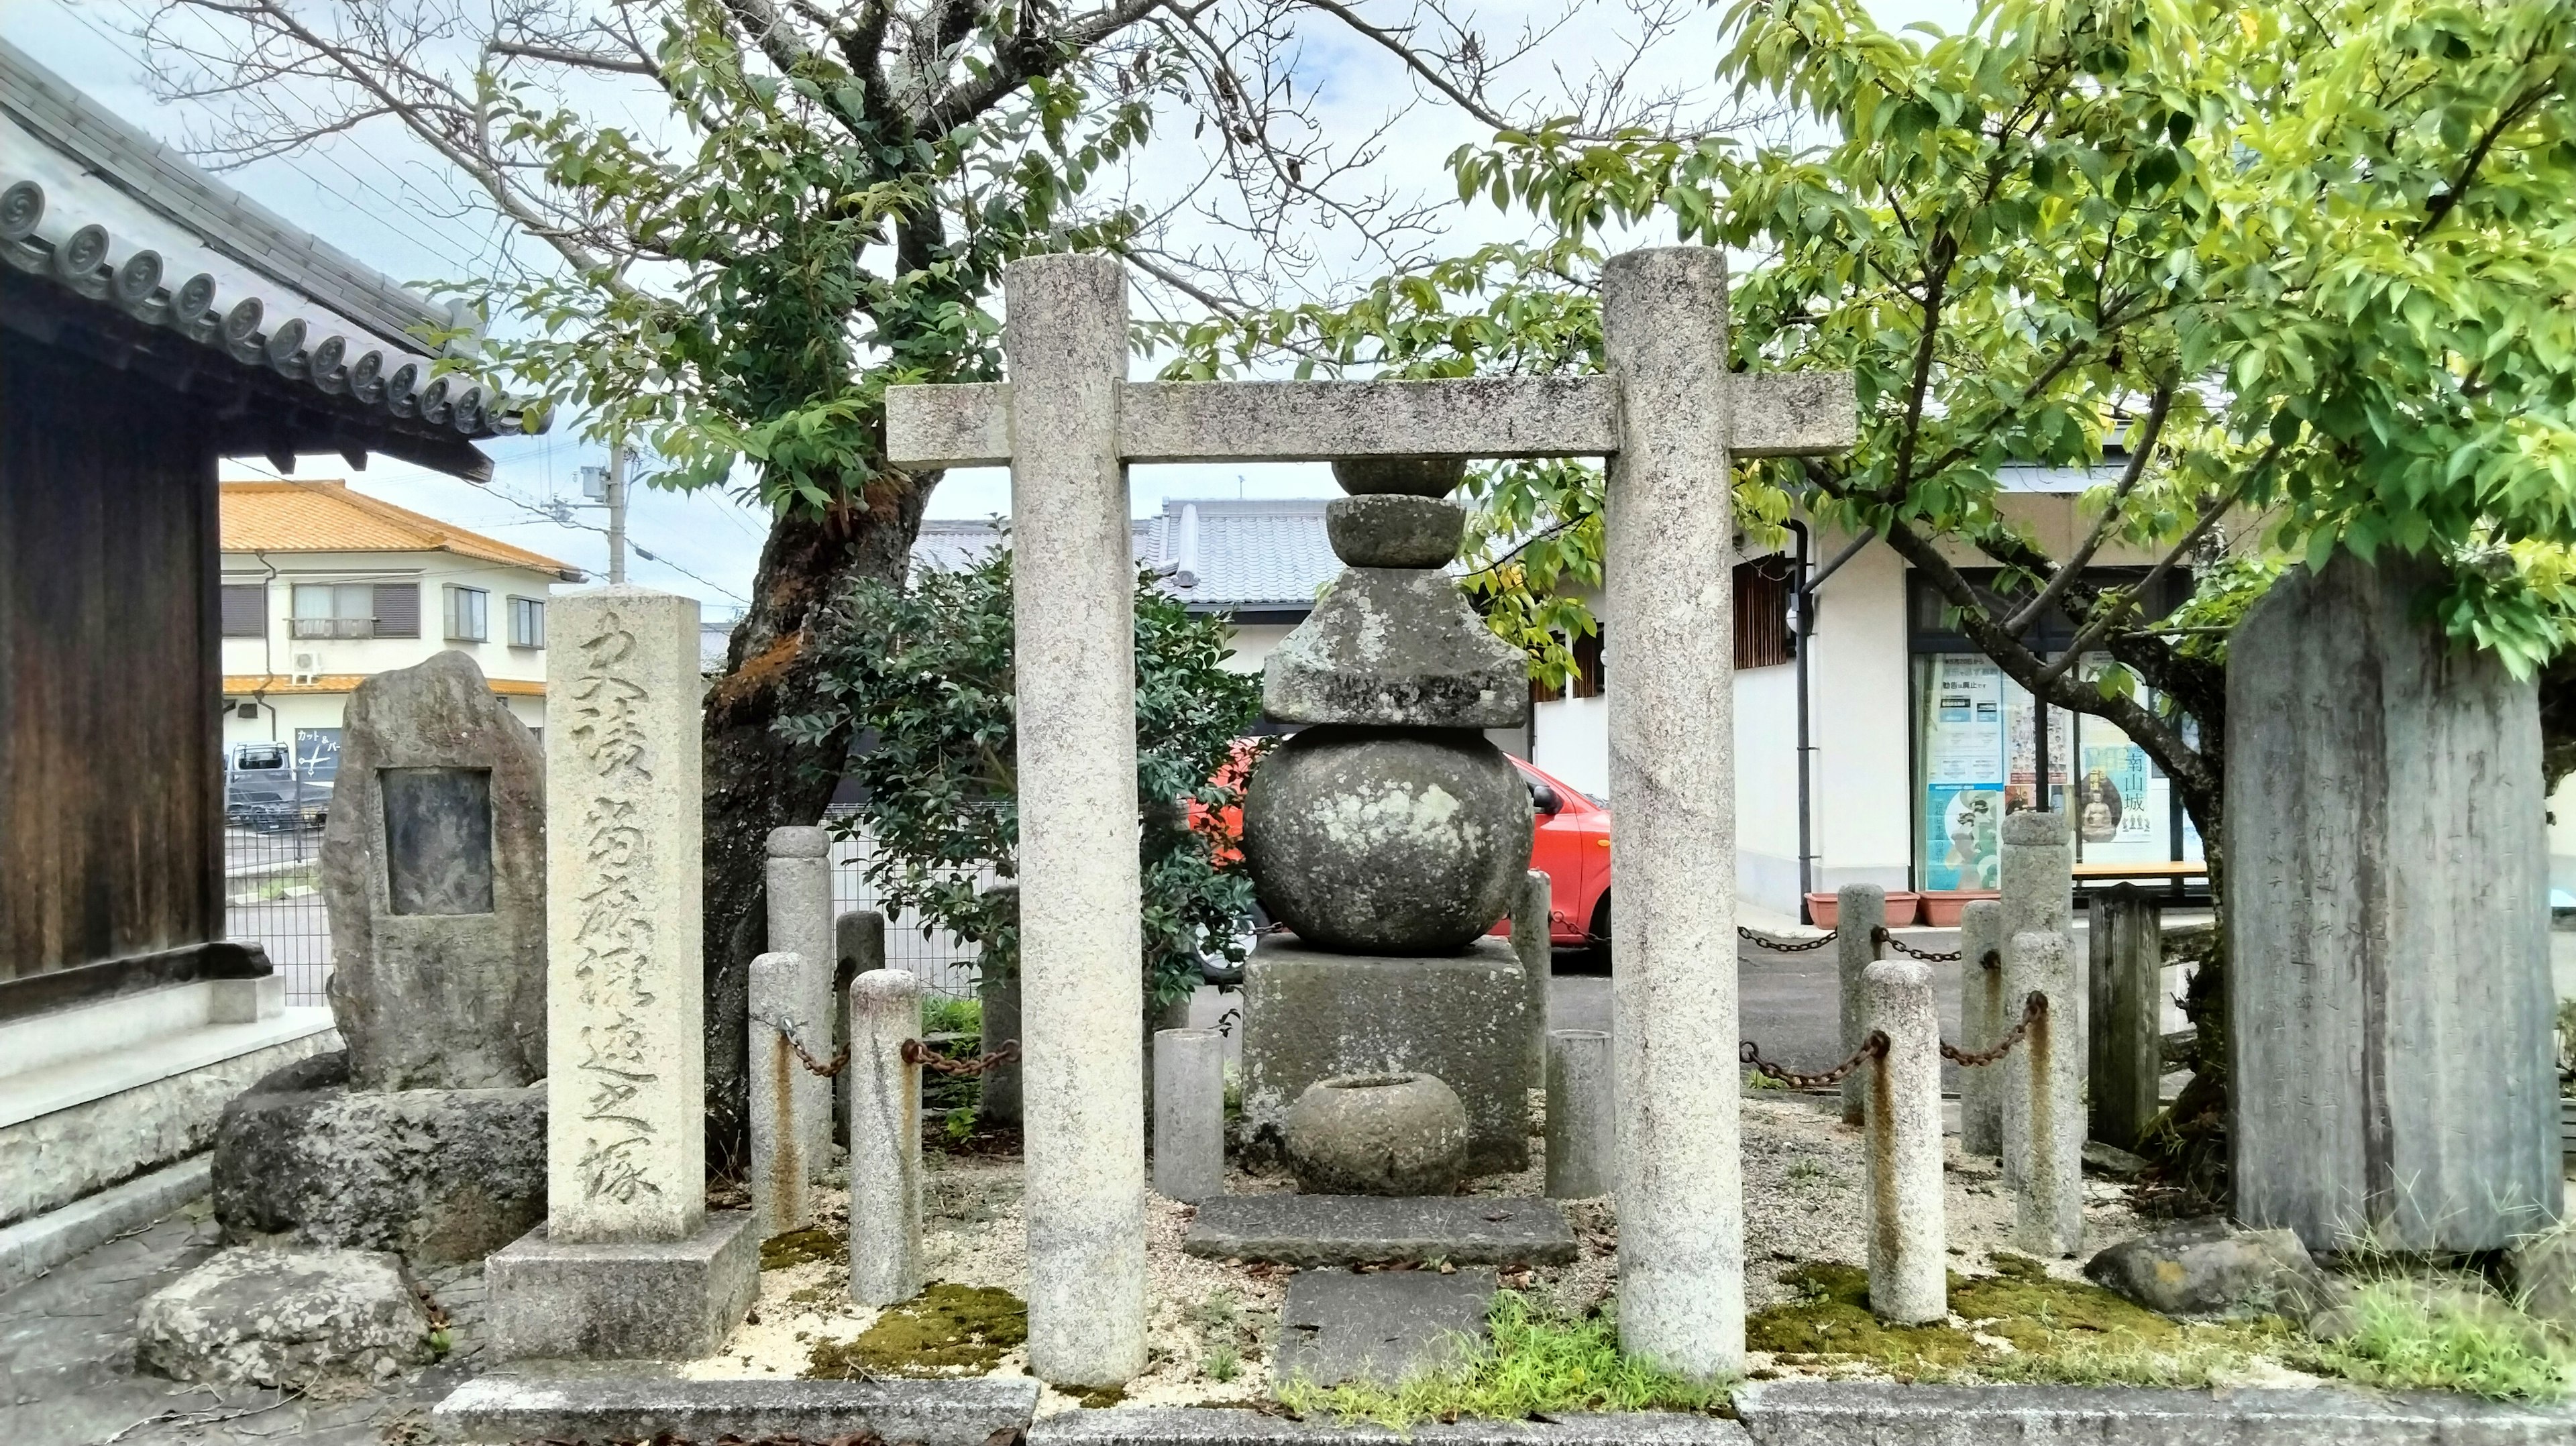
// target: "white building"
[[323, 587]]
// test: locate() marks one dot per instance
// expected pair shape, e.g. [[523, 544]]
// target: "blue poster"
[[1959, 833]]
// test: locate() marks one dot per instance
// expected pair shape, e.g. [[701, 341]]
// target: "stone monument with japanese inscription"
[[629, 1263]]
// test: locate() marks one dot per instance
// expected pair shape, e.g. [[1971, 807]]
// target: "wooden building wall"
[[110, 789]]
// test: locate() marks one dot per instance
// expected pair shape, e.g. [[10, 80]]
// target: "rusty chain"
[[1783, 946], [1909, 951], [916, 1052], [1874, 1047], [825, 1068], [2033, 1009]]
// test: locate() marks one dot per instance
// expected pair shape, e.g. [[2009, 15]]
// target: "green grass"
[[1536, 1363], [943, 1015], [2412, 1341]]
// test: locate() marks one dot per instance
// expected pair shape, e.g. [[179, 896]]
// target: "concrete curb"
[[1822, 1413], [605, 1407], [1213, 1426], [39, 1243]]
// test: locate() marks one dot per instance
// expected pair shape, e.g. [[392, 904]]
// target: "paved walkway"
[[67, 1374]]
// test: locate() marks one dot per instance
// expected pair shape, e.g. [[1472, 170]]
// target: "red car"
[[1571, 843]]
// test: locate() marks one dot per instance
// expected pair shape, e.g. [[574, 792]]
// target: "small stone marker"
[[799, 878], [1582, 1118], [1908, 1266], [1532, 941], [2036, 873], [2043, 1105], [2124, 946], [1983, 1019], [1860, 913], [781, 1160], [858, 942], [1189, 1114], [1382, 1327], [1380, 1230], [885, 1139], [433, 873]]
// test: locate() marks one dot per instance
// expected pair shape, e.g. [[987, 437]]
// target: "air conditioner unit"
[[308, 667]]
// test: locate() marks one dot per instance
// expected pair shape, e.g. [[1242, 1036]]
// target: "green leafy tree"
[[2314, 264], [923, 673]]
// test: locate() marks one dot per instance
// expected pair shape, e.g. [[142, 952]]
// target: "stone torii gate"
[[1668, 417]]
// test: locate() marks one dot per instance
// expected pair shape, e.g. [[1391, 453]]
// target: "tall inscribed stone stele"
[[2388, 984], [629, 1262]]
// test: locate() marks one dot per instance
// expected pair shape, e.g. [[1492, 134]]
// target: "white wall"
[[1570, 738], [1252, 645]]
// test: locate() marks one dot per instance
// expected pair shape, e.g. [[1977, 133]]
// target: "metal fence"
[[273, 898]]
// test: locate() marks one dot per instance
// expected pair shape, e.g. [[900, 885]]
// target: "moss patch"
[[801, 1247], [947, 1330], [1100, 1396]]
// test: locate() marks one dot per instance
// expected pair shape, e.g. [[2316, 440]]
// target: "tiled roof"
[[328, 517], [241, 684], [947, 544], [1227, 554], [102, 211]]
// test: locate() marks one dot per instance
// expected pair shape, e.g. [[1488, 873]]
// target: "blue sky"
[[382, 200]]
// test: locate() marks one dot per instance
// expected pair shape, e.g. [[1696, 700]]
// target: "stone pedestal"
[[1309, 1015], [670, 1300], [2387, 913]]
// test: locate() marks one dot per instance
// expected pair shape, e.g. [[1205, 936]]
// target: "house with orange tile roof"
[[324, 586]]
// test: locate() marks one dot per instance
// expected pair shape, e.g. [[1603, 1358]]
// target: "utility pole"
[[616, 500]]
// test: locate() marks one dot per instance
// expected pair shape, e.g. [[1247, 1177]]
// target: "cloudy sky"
[[378, 197]]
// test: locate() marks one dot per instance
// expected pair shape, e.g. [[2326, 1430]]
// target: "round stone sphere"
[[1377, 1134], [1387, 841], [1412, 476]]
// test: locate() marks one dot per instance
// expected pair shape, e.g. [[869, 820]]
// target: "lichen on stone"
[[947, 1330]]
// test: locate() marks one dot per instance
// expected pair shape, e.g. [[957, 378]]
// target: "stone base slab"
[[1820, 1413], [31, 1247], [1309, 1015], [1310, 1230], [1209, 1426], [603, 1407], [629, 1300], [1381, 1327]]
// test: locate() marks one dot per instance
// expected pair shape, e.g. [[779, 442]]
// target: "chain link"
[[825, 1068], [2033, 1010], [1910, 952], [1783, 946], [916, 1052], [1874, 1047]]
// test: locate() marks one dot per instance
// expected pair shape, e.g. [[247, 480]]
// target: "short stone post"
[[1074, 614], [781, 1164], [800, 923], [2043, 1105], [1189, 1114], [885, 1138], [1582, 1117], [2125, 951], [997, 995], [1983, 1019], [1860, 912], [858, 943], [1537, 955], [1908, 1260], [1669, 539], [2036, 871]]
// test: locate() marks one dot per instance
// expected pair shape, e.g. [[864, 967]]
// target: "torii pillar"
[[1669, 417]]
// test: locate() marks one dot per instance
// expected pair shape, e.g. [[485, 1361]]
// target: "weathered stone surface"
[[1189, 1114], [1835, 1413], [433, 872], [2543, 1269], [799, 879], [509, 1408], [1396, 648], [1861, 912], [2388, 982], [1982, 1020], [284, 1318], [858, 939], [997, 991], [2211, 1268], [1387, 843], [439, 1176], [1338, 1326], [782, 1158], [2043, 1104], [1582, 1115], [1377, 1134], [626, 1102], [1401, 476], [1309, 1015], [623, 1300], [1380, 1230], [885, 1138], [1390, 530], [1232, 1426], [1908, 1278]]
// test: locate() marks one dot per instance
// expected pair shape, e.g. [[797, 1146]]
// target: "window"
[[527, 622], [1762, 589], [356, 610], [466, 622], [245, 609], [1588, 672]]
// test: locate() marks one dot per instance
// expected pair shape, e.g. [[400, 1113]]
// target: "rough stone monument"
[[2388, 981], [1670, 415], [426, 1135], [629, 1262]]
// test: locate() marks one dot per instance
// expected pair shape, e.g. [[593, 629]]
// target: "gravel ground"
[[1802, 1182]]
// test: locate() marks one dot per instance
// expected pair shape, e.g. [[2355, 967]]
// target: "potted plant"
[[1942, 907]]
